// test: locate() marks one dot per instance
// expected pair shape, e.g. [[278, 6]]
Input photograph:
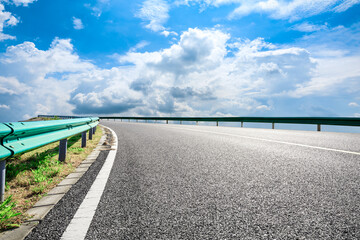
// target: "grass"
[[30, 175], [7, 214]]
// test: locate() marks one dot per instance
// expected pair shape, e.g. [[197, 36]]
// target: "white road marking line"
[[269, 140], [80, 223]]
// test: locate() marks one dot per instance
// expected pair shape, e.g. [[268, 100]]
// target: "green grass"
[[7, 213], [30, 175], [40, 161]]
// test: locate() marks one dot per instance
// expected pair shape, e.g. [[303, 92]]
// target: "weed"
[[6, 213], [76, 150], [38, 189]]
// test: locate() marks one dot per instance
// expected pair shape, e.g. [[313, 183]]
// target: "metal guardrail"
[[341, 121], [18, 137]]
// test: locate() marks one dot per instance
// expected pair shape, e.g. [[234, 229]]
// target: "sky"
[[274, 58]]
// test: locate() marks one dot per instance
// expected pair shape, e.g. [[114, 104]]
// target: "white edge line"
[[269, 140], [81, 221]]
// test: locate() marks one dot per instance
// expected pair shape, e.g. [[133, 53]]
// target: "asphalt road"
[[196, 182]]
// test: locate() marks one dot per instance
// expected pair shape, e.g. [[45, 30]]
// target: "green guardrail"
[[19, 137], [341, 121]]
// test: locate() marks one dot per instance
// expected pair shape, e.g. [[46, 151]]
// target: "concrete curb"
[[45, 204]]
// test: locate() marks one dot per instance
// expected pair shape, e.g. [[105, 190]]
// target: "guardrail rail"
[[19, 137], [340, 121]]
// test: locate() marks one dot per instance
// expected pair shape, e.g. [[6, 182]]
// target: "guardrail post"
[[197, 123], [242, 124], [167, 121], [180, 122], [90, 134], [273, 125], [136, 120], [94, 130], [83, 139], [62, 149], [318, 127], [217, 123], [121, 120], [2, 180]]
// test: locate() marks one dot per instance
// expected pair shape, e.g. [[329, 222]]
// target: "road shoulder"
[[44, 207]]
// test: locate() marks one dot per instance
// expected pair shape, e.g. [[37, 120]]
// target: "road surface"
[[199, 182]]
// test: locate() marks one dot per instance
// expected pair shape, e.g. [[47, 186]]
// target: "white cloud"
[[195, 77], [77, 23], [293, 10], [31, 78], [354, 104], [98, 7], [138, 46], [331, 76], [6, 19], [308, 27], [205, 73], [3, 106], [156, 13], [333, 41], [12, 86], [345, 5], [38, 63], [336, 54], [167, 33], [22, 2], [277, 9]]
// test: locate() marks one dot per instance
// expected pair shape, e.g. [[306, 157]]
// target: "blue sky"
[[179, 58]]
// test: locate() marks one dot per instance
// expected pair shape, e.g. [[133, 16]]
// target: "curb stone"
[[45, 204]]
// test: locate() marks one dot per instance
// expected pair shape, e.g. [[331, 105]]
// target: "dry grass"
[[28, 181]]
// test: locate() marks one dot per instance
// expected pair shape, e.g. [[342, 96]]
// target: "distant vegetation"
[[41, 119]]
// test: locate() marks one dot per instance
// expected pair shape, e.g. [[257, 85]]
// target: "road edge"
[[46, 203], [80, 223]]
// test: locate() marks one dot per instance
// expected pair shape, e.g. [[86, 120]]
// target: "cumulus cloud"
[[77, 23], [156, 13], [12, 86], [6, 19], [195, 76], [34, 81], [198, 76], [205, 73]]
